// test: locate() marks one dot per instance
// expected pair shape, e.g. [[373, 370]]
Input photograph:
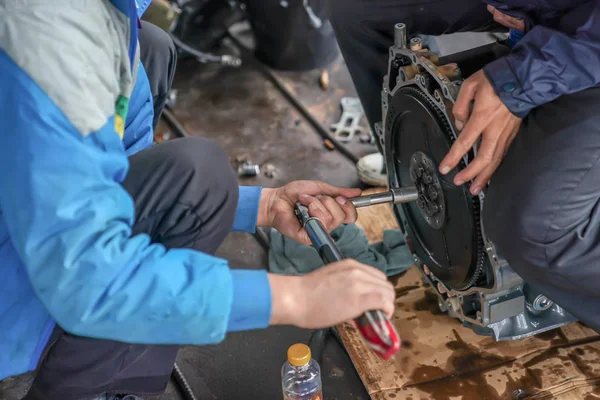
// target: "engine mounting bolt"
[[542, 303]]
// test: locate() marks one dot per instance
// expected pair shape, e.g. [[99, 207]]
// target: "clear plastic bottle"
[[301, 375]]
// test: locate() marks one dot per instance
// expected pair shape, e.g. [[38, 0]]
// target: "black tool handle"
[[324, 244], [323, 241], [374, 325]]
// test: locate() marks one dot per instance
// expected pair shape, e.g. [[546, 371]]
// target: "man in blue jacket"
[[536, 112], [106, 243]]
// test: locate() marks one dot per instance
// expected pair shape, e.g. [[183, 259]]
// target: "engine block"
[[475, 284]]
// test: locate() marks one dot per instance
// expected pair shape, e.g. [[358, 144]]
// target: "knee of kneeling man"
[[518, 235], [163, 41], [207, 161]]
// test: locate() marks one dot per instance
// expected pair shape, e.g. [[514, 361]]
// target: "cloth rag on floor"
[[392, 256]]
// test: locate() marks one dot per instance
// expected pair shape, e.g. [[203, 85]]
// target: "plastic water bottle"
[[301, 375]]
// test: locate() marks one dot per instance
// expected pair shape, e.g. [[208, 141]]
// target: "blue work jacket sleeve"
[[548, 63], [70, 221], [247, 209]]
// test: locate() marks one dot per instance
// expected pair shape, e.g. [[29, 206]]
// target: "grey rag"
[[392, 256]]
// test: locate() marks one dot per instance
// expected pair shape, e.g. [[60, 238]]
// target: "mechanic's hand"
[[491, 120], [336, 293], [506, 20], [325, 202]]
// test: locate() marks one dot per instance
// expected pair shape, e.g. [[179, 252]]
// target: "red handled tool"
[[375, 327]]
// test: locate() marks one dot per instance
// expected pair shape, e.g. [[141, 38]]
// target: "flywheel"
[[444, 224]]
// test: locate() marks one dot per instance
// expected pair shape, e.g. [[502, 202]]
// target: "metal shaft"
[[400, 36], [394, 196]]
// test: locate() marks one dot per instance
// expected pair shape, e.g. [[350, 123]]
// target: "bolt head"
[[542, 303]]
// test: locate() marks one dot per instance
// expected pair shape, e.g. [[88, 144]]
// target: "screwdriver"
[[374, 326]]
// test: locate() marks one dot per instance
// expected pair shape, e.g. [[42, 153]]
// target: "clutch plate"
[[444, 223]]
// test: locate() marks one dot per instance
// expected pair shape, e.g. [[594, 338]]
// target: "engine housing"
[[475, 285]]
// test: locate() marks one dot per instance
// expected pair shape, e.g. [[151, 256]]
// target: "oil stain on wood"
[[443, 360]]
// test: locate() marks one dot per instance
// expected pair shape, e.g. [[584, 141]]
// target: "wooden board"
[[375, 219], [442, 360]]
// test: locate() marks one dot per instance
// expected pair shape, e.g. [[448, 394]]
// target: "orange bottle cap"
[[299, 355]]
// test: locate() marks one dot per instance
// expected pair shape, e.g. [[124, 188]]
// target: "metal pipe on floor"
[[180, 131], [317, 126], [173, 123], [183, 384], [203, 57]]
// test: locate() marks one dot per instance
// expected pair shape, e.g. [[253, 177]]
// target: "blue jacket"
[[559, 54], [74, 103]]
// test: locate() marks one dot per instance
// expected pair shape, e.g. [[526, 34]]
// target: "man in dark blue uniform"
[[536, 112]]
